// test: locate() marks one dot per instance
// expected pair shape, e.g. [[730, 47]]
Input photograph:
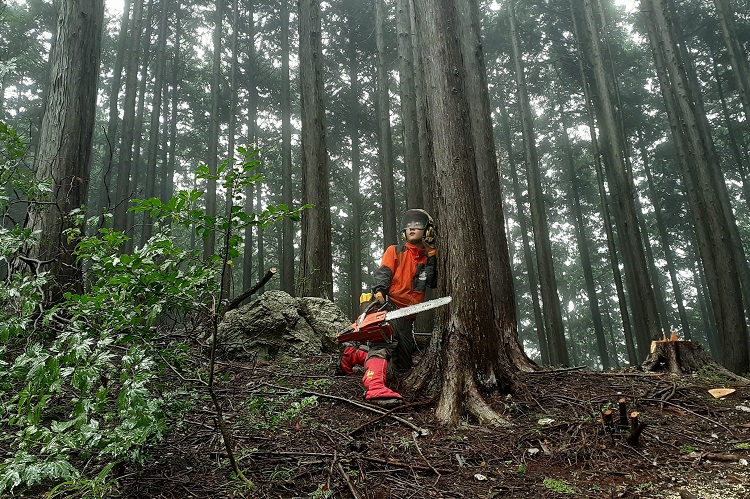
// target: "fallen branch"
[[414, 436], [348, 480], [689, 411], [388, 413], [352, 402], [404, 465], [557, 371], [250, 291]]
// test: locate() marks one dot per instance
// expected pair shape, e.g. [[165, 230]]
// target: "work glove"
[[380, 297]]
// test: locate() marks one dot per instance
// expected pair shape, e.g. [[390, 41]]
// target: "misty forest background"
[[183, 84], [158, 158]]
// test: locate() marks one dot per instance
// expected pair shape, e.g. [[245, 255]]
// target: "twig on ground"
[[414, 437], [404, 465], [557, 371], [363, 406], [347, 479], [688, 410], [388, 413]]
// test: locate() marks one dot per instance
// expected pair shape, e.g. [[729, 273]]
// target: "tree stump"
[[681, 357]]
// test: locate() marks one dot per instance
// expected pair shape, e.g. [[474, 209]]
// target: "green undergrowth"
[[83, 388]]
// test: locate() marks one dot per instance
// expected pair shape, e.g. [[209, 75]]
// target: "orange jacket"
[[405, 273]]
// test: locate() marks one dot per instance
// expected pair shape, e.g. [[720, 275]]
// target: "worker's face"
[[414, 233]]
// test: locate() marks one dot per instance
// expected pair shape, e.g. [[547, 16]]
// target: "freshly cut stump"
[[681, 357]]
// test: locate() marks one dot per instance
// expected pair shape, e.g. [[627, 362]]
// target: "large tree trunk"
[[287, 252], [252, 139], [385, 145], [553, 324], [122, 193], [355, 261], [523, 227], [490, 190], [407, 92], [113, 120], [603, 198], [153, 140], [645, 311], [712, 223], [426, 160], [65, 142], [461, 358], [736, 54], [579, 221], [167, 185], [316, 265], [212, 161]]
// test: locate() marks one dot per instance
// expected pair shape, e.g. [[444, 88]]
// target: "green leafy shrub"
[[269, 414], [79, 383]]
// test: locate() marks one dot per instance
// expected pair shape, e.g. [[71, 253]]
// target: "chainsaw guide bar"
[[374, 326]]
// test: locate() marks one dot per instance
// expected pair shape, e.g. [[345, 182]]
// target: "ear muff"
[[429, 235]]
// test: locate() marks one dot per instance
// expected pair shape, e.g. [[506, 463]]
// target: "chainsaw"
[[373, 325]]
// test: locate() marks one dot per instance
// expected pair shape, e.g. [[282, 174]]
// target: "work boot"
[[353, 356], [374, 381]]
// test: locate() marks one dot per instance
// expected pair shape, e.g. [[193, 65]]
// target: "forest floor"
[[334, 445]]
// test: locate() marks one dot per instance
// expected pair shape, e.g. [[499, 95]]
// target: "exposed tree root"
[[477, 407]]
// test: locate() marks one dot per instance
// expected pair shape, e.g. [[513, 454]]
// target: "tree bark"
[[64, 152], [385, 144], [153, 140], [553, 324], [355, 261], [407, 92], [122, 193], [212, 161], [490, 190], [114, 117], [641, 292], [316, 265], [461, 350], [426, 159], [712, 225], [287, 252], [523, 227]]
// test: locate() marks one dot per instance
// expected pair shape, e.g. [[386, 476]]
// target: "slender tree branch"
[[251, 291]]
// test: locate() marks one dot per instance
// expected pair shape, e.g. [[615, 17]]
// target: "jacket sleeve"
[[384, 274]]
